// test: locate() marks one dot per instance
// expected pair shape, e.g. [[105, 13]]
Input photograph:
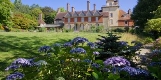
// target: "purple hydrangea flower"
[[23, 62], [77, 50], [116, 61], [92, 45], [78, 40], [14, 76], [96, 53], [44, 48], [12, 67], [134, 72], [68, 44], [95, 65]]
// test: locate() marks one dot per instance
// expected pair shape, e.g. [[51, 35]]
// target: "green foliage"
[[148, 40], [111, 46], [153, 25], [42, 29], [120, 30], [49, 14], [62, 9], [143, 11], [22, 21], [35, 12], [99, 29], [6, 12]]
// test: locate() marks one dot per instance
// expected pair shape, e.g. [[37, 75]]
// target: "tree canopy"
[[144, 11]]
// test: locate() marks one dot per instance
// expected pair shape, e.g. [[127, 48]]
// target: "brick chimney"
[[68, 7], [73, 9], [129, 11], [58, 10], [94, 7], [88, 5]]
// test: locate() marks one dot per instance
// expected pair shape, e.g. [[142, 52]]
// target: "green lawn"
[[26, 44]]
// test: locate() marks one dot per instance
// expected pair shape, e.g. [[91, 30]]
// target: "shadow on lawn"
[[20, 47]]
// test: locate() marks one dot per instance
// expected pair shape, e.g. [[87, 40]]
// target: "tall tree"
[[62, 9], [6, 12], [49, 14], [144, 11], [19, 7], [35, 12]]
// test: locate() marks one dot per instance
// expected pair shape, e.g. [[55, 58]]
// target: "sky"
[[79, 4]]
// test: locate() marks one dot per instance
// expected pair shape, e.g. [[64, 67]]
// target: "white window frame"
[[75, 19], [68, 20], [96, 19], [89, 19], [111, 15], [111, 21], [82, 19]]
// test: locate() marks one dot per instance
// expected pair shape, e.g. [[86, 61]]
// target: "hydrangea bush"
[[73, 61]]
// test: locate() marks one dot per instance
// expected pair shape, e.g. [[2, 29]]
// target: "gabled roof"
[[96, 13], [82, 14], [69, 14], [60, 15], [75, 14], [89, 13], [123, 15], [41, 21]]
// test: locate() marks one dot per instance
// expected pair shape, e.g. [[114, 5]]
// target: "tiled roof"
[[62, 14], [41, 22], [123, 15]]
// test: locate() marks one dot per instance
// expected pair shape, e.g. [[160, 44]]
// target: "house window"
[[68, 20], [111, 14], [75, 19], [96, 19], [111, 21], [110, 3], [82, 19], [89, 19], [125, 22]]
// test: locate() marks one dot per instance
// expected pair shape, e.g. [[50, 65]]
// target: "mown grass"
[[26, 44]]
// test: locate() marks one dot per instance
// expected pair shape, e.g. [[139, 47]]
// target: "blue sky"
[[79, 4]]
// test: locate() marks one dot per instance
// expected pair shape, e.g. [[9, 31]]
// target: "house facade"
[[110, 15]]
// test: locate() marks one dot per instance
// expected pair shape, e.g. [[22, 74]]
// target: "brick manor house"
[[109, 16]]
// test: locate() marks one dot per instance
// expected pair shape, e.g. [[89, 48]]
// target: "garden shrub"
[[118, 30], [147, 40], [42, 29], [76, 60], [111, 46]]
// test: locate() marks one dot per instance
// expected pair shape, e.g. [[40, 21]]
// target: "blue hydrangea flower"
[[77, 50], [23, 62], [123, 43], [134, 72], [40, 62], [116, 61], [96, 53], [68, 44], [156, 51], [78, 40], [15, 76], [44, 48], [87, 60], [95, 65], [91, 45], [12, 67], [155, 64]]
